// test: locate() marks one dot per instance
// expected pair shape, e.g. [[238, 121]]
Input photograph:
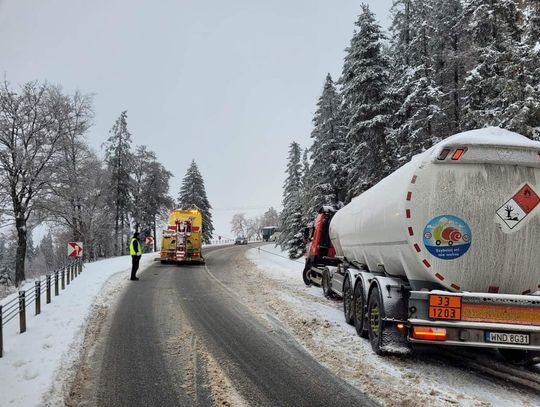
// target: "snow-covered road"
[[318, 324]]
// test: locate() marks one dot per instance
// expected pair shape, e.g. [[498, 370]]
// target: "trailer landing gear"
[[327, 289]]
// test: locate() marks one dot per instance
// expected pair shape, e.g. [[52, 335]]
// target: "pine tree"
[[367, 104], [120, 160], [419, 119], [8, 248], [524, 113], [291, 218], [326, 181], [193, 195], [448, 46], [494, 84]]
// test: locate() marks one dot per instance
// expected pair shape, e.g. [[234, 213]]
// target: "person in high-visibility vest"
[[135, 250]]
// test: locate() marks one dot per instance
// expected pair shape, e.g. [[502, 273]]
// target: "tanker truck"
[[445, 250], [181, 242]]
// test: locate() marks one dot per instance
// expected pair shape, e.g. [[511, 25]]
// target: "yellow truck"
[[181, 242]]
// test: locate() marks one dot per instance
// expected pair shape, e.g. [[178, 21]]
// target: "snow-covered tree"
[[193, 195], [270, 218], [32, 127], [417, 123], [326, 180], [448, 46], [8, 249], [494, 86], [523, 114], [120, 160], [291, 219], [366, 101], [239, 224], [149, 191], [157, 202]]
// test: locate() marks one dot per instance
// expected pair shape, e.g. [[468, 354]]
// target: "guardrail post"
[[38, 297], [73, 271], [56, 283], [67, 274], [63, 278], [1, 333], [22, 311], [48, 282]]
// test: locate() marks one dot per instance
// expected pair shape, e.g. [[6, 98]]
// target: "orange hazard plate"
[[444, 307]]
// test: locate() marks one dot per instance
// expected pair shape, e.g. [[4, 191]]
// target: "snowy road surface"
[[186, 336]]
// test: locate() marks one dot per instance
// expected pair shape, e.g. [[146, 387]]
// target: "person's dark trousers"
[[134, 265]]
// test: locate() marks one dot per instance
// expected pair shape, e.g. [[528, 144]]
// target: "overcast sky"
[[227, 83]]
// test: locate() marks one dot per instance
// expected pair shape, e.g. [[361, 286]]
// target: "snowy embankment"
[[318, 324], [33, 362]]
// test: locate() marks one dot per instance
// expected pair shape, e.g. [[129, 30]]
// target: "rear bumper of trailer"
[[475, 320]]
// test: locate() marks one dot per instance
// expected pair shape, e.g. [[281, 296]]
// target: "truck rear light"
[[400, 326], [444, 153], [458, 153], [429, 333]]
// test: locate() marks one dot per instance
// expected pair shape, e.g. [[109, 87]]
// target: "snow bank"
[[277, 263], [33, 359]]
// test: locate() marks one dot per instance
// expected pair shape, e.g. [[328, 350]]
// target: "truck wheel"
[[348, 309], [306, 274], [327, 291], [359, 304], [374, 319]]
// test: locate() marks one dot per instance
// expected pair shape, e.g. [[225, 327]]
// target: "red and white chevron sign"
[[75, 249]]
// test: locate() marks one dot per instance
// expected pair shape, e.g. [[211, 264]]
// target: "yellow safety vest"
[[132, 251]]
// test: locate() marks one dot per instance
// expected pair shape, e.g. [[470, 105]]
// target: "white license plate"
[[506, 337]]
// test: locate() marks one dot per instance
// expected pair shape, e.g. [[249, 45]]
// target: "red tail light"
[[429, 333]]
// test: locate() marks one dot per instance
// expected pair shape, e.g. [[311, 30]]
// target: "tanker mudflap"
[[395, 332], [394, 339]]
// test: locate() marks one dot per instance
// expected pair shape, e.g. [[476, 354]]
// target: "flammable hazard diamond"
[[519, 206], [526, 198]]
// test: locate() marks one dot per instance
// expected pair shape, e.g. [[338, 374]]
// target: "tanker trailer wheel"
[[520, 357], [348, 309], [375, 322], [327, 291], [306, 274], [359, 304]]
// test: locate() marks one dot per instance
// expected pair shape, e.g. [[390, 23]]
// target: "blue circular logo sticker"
[[447, 237]]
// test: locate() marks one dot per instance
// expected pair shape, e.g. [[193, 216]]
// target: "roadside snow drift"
[[32, 360]]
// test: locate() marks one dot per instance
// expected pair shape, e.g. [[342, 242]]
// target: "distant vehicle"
[[182, 241], [268, 232], [241, 240]]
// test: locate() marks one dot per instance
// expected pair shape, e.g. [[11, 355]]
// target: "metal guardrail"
[[17, 306]]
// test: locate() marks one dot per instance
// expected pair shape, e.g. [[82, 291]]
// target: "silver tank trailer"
[[463, 215]]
